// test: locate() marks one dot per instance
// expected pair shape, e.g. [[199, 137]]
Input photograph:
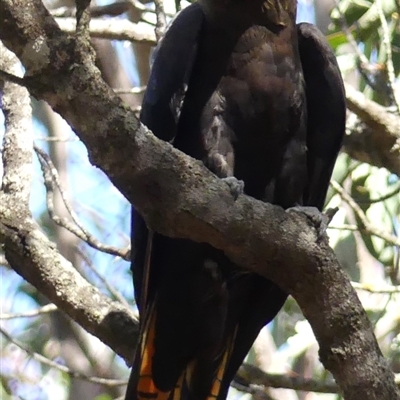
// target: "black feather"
[[237, 85]]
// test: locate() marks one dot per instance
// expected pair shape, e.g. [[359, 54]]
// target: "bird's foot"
[[319, 220], [236, 186]]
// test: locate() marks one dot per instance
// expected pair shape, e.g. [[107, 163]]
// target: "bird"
[[259, 99]]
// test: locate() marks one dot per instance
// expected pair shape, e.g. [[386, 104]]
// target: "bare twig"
[[56, 138], [7, 77], [135, 90], [113, 9], [50, 363], [389, 59], [363, 60], [250, 375], [40, 263], [29, 314], [250, 378], [372, 289], [114, 292], [374, 74], [113, 29], [345, 227], [50, 176], [256, 392], [365, 224], [381, 198]]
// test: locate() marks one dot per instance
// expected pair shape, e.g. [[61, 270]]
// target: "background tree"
[[47, 355]]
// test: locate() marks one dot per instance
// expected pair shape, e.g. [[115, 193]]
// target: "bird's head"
[[277, 12]]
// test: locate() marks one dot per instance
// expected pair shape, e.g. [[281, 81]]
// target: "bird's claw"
[[320, 220], [236, 186]]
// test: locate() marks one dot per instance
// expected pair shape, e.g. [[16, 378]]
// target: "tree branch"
[[37, 260], [179, 197], [373, 114], [28, 251], [52, 364], [120, 29], [51, 180], [17, 110], [374, 135], [251, 375]]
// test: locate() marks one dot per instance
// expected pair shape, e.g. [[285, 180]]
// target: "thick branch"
[[374, 135], [18, 140], [372, 147], [180, 197], [28, 251], [374, 115], [38, 261]]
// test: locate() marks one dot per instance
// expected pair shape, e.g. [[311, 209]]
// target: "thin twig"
[[389, 59], [114, 292], [29, 314], [366, 225], [46, 361], [57, 138], [349, 36], [364, 66], [113, 9], [113, 29], [345, 227], [381, 198], [372, 289], [134, 90], [251, 375], [256, 392], [50, 176], [7, 77]]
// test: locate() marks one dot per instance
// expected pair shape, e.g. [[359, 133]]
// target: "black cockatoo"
[[238, 85]]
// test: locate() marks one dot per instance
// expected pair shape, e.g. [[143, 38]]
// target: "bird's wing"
[[326, 108], [173, 61]]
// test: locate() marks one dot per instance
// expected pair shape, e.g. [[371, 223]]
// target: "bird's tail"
[[199, 380], [205, 380], [141, 385]]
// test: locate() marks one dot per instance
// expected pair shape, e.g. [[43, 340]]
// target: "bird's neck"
[[270, 13]]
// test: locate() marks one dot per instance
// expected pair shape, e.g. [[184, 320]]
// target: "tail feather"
[[216, 388], [192, 384], [141, 385], [203, 379], [177, 393]]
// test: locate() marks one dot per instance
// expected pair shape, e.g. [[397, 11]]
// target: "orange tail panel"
[[146, 389], [216, 387]]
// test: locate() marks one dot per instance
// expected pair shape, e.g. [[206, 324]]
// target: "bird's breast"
[[263, 76]]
